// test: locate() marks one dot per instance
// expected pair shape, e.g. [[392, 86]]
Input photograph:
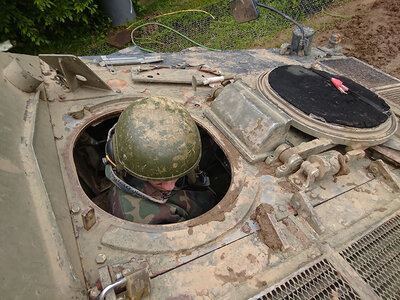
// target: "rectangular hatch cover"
[[254, 125]]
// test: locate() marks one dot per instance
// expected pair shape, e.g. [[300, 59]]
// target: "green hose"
[[167, 27]]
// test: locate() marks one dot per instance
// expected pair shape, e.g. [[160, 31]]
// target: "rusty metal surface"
[[88, 218], [138, 284]]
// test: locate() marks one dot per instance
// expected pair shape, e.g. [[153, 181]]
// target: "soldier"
[[154, 145]]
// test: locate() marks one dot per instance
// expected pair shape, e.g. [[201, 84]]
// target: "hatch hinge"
[[379, 168]]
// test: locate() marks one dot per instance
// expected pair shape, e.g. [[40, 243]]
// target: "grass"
[[167, 6], [221, 33]]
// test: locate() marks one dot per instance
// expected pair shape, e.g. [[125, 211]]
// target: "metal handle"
[[118, 283]]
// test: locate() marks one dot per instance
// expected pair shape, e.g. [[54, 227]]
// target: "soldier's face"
[[164, 186]]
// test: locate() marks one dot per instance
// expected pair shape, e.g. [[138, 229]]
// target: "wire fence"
[[220, 31]]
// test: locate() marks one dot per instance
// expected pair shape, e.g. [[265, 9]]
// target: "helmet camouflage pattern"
[[156, 139]]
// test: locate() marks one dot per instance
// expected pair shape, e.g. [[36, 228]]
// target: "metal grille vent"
[[392, 96], [376, 257], [360, 72], [320, 281]]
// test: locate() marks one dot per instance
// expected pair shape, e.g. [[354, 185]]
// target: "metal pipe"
[[285, 16], [128, 60], [111, 287]]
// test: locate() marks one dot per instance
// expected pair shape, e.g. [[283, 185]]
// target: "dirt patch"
[[246, 228], [264, 169], [119, 39], [251, 258], [288, 187], [267, 232], [369, 31], [233, 276]]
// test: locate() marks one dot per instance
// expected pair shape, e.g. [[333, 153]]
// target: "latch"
[[131, 279], [301, 203]]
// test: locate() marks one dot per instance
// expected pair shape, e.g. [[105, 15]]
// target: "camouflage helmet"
[[156, 139]]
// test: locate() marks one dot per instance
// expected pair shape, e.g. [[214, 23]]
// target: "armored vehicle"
[[300, 150]]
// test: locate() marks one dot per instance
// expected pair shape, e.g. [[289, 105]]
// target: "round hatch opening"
[[89, 151], [313, 92], [330, 106]]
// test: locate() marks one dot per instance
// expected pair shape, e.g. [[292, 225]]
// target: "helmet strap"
[[122, 185]]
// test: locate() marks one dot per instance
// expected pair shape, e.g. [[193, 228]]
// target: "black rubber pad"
[[312, 92]]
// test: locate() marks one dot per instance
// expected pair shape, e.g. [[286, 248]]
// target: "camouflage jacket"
[[182, 204]]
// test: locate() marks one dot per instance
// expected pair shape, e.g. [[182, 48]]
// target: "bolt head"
[[94, 292], [101, 258], [75, 208]]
